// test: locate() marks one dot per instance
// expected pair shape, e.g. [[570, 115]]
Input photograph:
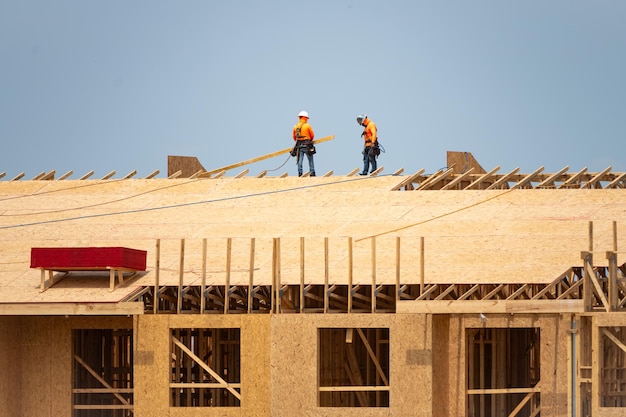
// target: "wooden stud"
[[157, 272], [229, 245], [203, 282], [373, 290], [181, 273], [350, 272], [251, 275]]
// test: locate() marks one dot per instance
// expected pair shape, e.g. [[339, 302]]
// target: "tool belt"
[[308, 144]]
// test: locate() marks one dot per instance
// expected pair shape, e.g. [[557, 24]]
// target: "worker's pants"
[[302, 151], [369, 157]]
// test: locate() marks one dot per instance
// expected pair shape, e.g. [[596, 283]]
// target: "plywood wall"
[[36, 358]]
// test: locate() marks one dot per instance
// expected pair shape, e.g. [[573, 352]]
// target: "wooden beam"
[[552, 178], [573, 178], [596, 178], [259, 158], [489, 306], [528, 178], [408, 180], [458, 179], [483, 178], [503, 179], [71, 309]]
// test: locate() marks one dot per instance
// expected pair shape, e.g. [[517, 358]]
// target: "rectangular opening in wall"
[[205, 368], [102, 373], [503, 372], [613, 367], [353, 367]]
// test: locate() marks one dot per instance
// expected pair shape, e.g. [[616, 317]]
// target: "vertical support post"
[[612, 257], [596, 348], [276, 275], [302, 274], [251, 275], [350, 273], [397, 270], [181, 270], [588, 266], [373, 274], [157, 262], [229, 244], [203, 284], [326, 275], [421, 265]]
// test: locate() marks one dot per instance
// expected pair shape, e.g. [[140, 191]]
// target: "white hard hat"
[[360, 118], [303, 114]]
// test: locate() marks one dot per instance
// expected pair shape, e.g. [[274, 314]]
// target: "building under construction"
[[463, 292]]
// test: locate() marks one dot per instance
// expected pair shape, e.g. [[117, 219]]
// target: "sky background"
[[120, 85]]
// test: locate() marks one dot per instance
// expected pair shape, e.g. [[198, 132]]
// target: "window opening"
[[353, 366], [503, 372], [613, 368], [205, 368], [102, 373]]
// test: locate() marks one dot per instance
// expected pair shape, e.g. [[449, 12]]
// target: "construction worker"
[[371, 149], [303, 135]]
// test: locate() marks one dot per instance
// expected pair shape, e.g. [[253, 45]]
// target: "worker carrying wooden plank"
[[303, 135]]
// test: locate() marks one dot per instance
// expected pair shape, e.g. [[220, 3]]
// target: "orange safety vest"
[[303, 130], [369, 134]]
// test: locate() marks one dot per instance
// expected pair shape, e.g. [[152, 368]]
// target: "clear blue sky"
[[120, 85]]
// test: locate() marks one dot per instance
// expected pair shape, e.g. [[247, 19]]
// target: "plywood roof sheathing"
[[87, 175]]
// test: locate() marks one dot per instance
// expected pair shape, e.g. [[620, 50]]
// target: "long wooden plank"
[[69, 309], [259, 158], [490, 306]]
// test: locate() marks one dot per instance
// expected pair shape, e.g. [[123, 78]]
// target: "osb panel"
[[461, 162], [43, 361], [294, 347], [10, 358], [554, 364], [152, 364], [188, 165], [512, 236]]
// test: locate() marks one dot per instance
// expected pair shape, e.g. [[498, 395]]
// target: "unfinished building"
[[464, 292]]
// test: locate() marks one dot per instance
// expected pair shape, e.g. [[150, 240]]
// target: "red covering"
[[88, 258]]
